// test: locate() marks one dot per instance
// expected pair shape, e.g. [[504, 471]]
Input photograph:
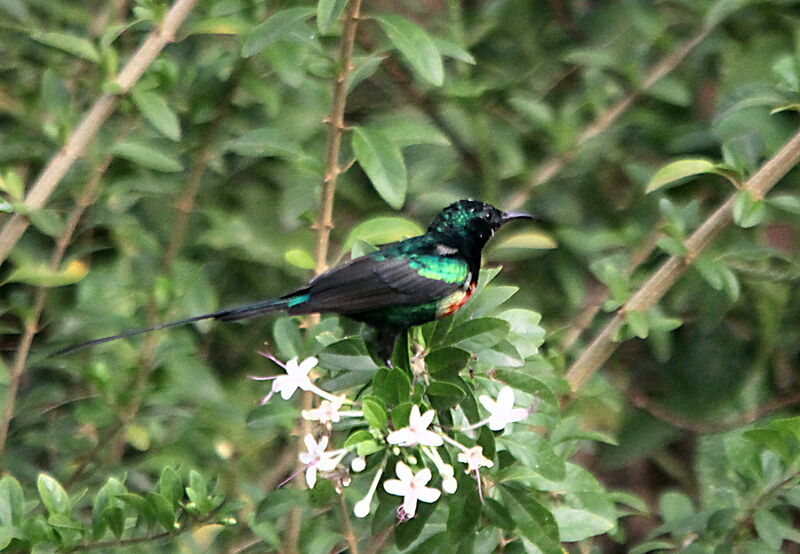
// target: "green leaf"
[[391, 386], [374, 412], [531, 519], [535, 453], [383, 163], [478, 334], [157, 112], [748, 211], [162, 511], [637, 322], [105, 499], [444, 395], [381, 230], [41, 275], [675, 506], [147, 156], [299, 258], [650, 546], [78, 46], [53, 495], [328, 11], [678, 170], [170, 486], [786, 202], [416, 45], [114, 517], [274, 28], [576, 525], [47, 221], [349, 354], [265, 142], [12, 502], [453, 50], [521, 381]]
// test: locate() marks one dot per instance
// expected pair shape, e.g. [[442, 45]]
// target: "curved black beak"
[[508, 216]]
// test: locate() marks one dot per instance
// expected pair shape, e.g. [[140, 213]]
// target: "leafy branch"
[[101, 110], [662, 280]]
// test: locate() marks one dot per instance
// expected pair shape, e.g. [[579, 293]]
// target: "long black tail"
[[229, 314]]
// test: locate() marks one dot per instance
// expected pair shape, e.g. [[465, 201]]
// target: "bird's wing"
[[378, 281]]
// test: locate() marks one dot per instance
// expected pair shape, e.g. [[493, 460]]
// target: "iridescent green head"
[[473, 219]]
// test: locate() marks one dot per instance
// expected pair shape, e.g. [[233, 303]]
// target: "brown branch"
[[585, 318], [640, 400], [76, 144], [554, 164], [660, 282], [32, 322]]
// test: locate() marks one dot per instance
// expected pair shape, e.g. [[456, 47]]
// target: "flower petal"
[[428, 494], [487, 402], [395, 487], [422, 477], [425, 419], [429, 438], [308, 364], [404, 472], [311, 476], [311, 444], [402, 437], [505, 397], [410, 504]]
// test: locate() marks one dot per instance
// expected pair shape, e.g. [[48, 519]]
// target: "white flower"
[[417, 431], [296, 378], [358, 464], [474, 459], [502, 411], [411, 487], [317, 459], [362, 507], [327, 411], [449, 485]]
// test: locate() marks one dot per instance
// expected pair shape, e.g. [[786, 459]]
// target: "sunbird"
[[400, 285]]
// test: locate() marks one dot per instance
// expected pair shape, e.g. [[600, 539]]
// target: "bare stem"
[[554, 164], [324, 222], [662, 280], [105, 105]]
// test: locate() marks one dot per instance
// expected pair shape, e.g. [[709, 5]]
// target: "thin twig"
[[662, 280], [32, 321], [640, 400], [554, 164], [324, 222], [76, 144]]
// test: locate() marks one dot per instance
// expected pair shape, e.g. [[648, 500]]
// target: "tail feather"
[[230, 314]]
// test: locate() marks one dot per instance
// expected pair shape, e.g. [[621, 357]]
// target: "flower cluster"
[[418, 435]]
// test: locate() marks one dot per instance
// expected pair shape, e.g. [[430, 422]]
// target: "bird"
[[400, 285]]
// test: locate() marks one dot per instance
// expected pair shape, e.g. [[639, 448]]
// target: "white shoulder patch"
[[444, 250]]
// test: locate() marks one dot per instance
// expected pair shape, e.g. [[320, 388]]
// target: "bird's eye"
[[486, 216]]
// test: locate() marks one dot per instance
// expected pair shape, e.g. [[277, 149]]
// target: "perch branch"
[[76, 144], [660, 282]]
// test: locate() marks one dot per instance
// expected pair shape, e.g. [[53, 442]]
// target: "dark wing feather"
[[368, 283]]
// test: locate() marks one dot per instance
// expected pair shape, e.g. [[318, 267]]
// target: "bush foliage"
[[624, 126]]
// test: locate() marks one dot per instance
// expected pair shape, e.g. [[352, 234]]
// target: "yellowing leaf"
[[41, 275]]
